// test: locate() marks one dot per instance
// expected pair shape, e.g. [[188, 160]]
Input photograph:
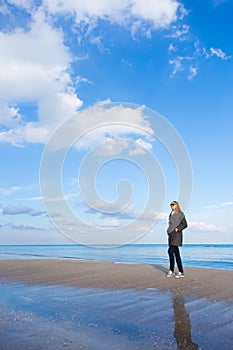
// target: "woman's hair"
[[177, 205]]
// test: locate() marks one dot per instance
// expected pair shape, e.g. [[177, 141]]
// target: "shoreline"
[[193, 256], [198, 282]]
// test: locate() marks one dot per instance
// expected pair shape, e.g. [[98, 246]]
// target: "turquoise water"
[[193, 255]]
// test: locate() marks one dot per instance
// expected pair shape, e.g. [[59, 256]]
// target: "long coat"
[[176, 238]]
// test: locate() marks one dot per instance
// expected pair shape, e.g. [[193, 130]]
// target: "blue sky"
[[63, 57]]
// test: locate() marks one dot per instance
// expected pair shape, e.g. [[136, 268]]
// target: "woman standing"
[[176, 223]]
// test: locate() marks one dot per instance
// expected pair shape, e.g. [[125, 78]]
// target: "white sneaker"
[[170, 273], [180, 274]]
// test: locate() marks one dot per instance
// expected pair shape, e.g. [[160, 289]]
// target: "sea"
[[216, 256]]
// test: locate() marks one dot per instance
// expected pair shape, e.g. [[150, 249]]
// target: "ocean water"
[[193, 255]]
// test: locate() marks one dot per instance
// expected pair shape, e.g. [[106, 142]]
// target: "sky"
[[109, 110]]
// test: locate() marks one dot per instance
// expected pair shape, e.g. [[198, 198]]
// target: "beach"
[[75, 304]]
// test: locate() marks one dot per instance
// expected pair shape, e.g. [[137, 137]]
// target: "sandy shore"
[[207, 283], [96, 305]]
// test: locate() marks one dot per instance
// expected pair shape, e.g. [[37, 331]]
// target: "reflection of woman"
[[182, 328], [176, 224]]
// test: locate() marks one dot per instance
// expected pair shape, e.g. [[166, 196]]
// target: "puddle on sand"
[[54, 317]]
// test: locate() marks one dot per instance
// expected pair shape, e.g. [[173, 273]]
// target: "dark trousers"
[[174, 251]]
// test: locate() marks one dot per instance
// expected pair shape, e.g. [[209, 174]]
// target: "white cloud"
[[140, 146], [192, 72], [202, 226], [109, 223], [219, 53], [186, 51], [179, 32], [216, 52], [34, 67], [35, 64], [136, 16], [227, 204], [9, 116], [97, 41], [172, 48], [26, 4], [101, 116], [114, 148], [9, 190], [37, 198], [4, 9], [19, 210], [80, 80], [123, 12], [29, 133], [176, 66], [160, 13], [220, 205], [155, 215]]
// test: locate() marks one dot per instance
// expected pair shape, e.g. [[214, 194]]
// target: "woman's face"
[[173, 206]]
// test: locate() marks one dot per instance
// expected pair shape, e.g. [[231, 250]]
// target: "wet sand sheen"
[[95, 305], [208, 283]]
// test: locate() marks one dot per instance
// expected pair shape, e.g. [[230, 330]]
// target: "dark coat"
[[176, 238]]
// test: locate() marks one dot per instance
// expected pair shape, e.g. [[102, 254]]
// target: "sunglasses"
[[172, 204]]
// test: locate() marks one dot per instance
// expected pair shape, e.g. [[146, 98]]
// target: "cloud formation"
[[34, 67], [8, 191], [224, 205], [202, 226], [122, 12], [21, 227], [14, 210], [36, 62]]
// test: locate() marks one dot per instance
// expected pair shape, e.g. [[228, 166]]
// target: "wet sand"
[[57, 304], [207, 283]]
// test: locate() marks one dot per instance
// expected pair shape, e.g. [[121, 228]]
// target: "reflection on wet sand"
[[182, 327]]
